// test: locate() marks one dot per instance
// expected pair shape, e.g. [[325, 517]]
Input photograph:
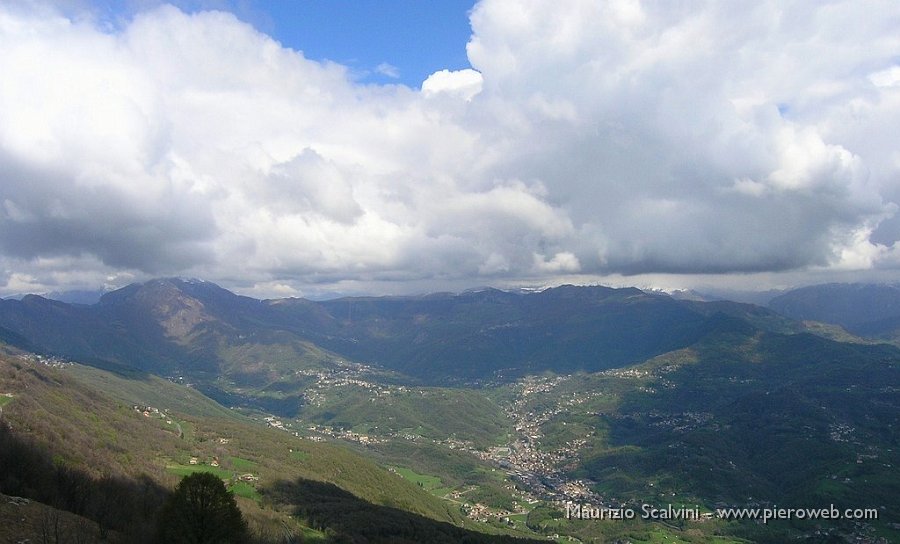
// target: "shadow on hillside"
[[127, 506], [347, 518], [121, 509]]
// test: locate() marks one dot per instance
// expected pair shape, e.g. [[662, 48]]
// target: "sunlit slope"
[[136, 387], [432, 413], [104, 435]]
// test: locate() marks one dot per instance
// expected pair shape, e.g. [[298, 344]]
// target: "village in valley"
[[535, 474], [547, 438], [535, 461]]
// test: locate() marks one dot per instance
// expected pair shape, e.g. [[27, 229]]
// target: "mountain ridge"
[[236, 346], [868, 309]]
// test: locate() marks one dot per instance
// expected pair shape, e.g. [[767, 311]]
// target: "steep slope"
[[192, 329], [25, 520], [56, 427]]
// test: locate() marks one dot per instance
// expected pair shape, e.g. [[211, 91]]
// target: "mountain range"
[[196, 328], [869, 310], [709, 401]]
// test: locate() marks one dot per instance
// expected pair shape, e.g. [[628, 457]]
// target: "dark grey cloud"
[[47, 214]]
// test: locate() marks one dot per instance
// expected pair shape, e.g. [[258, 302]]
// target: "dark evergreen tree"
[[202, 511]]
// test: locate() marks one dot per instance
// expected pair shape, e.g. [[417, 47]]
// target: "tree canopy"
[[202, 511]]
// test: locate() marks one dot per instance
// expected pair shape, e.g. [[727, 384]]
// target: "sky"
[[379, 42], [348, 147]]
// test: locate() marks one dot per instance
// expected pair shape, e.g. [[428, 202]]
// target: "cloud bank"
[[603, 138]]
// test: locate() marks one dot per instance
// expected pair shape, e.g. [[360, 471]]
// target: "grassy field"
[[5, 399], [242, 464], [427, 482], [243, 489], [187, 470]]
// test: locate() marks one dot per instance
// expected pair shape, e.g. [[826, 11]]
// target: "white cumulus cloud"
[[465, 83], [589, 138]]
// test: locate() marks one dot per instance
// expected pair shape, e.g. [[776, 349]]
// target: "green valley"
[[58, 414], [487, 412]]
